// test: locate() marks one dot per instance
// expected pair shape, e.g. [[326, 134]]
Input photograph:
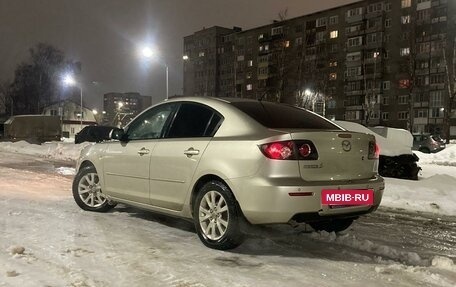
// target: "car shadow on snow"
[[269, 240]]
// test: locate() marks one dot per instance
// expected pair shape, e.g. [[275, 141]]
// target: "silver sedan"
[[225, 162]]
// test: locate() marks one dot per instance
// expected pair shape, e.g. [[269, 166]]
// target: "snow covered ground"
[[47, 240]]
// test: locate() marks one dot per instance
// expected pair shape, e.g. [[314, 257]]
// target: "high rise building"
[[373, 62]]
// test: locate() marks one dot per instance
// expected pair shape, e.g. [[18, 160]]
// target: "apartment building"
[[373, 62]]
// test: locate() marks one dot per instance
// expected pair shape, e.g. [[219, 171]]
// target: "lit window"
[[406, 3], [201, 54], [405, 19], [250, 63], [333, 64], [405, 51], [286, 44], [249, 87], [333, 34]]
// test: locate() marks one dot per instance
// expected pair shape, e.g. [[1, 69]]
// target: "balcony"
[[420, 72], [353, 19], [354, 108], [421, 104], [354, 77], [420, 121], [354, 93], [355, 33]]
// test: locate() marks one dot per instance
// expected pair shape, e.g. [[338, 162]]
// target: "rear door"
[[176, 156]]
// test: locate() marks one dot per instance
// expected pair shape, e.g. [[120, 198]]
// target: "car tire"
[[335, 225], [87, 191], [217, 217]]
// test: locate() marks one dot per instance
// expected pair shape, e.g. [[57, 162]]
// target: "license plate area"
[[340, 198]]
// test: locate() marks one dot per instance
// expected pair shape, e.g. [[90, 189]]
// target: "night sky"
[[105, 35]]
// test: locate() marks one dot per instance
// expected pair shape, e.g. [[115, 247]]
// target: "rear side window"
[[193, 120], [273, 115]]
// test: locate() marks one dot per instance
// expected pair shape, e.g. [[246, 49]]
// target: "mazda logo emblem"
[[346, 145]]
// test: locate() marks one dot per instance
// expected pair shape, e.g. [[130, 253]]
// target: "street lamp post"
[[167, 82], [80, 125], [70, 81]]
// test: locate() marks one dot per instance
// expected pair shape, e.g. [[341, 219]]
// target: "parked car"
[[224, 162], [93, 134], [396, 156], [428, 143]]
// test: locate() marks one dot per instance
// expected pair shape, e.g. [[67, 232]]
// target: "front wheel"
[[87, 191], [335, 225], [217, 217]]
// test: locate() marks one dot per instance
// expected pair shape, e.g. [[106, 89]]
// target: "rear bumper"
[[266, 201]]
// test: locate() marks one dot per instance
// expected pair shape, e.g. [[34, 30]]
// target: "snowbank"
[[445, 157], [66, 151], [436, 193]]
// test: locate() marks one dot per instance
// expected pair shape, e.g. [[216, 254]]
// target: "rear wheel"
[[87, 191], [217, 217], [335, 225]]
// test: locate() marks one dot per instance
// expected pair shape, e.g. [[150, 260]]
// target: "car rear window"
[[273, 115]]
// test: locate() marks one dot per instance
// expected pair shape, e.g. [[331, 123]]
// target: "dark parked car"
[[428, 143], [93, 134]]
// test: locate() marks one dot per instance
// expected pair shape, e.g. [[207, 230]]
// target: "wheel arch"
[[201, 182], [87, 163]]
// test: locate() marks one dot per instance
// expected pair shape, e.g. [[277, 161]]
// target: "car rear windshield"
[[272, 115]]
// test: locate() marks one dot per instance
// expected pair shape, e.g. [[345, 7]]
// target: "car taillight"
[[290, 150], [374, 150]]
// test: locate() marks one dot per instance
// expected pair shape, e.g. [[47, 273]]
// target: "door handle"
[[191, 151], [143, 151]]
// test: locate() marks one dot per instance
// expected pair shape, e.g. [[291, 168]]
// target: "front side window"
[[151, 123]]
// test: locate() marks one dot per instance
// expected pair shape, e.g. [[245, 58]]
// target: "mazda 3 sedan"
[[226, 162]]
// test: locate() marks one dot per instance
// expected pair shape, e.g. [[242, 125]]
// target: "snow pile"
[[436, 194], [445, 157], [443, 263], [66, 170], [410, 258], [66, 151]]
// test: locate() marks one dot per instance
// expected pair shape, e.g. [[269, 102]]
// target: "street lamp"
[[149, 53], [69, 80]]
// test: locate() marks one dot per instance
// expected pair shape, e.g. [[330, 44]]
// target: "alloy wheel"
[[89, 190], [213, 215]]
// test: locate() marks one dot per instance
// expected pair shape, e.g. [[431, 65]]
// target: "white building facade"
[[70, 116]]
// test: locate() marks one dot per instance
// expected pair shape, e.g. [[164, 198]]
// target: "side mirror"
[[117, 134]]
